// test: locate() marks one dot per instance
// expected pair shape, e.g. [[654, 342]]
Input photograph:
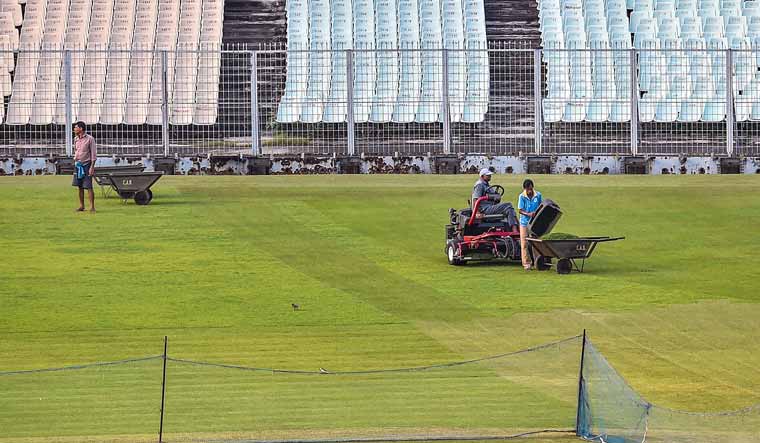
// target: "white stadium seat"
[[342, 38], [117, 75], [141, 63], [25, 75], [209, 64], [289, 110], [49, 69], [186, 69], [96, 63], [166, 40]]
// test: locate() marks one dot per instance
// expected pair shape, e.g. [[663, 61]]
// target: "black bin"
[[547, 215]]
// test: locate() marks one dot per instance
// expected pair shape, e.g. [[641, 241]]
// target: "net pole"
[[163, 395], [580, 389]]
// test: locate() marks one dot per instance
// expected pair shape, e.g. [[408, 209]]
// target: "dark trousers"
[[505, 209]]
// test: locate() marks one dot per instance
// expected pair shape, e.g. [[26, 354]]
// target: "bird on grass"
[[323, 371], [295, 306]]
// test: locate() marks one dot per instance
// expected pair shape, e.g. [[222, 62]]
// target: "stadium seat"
[[744, 102], [658, 90], [693, 107], [76, 41], [636, 17], [14, 8], [95, 65], [669, 107], [210, 61], [386, 39], [432, 65], [603, 79], [318, 79], [575, 110], [289, 109], [141, 63], [744, 63], [8, 29], [186, 65], [651, 63], [25, 76], [665, 5], [478, 81], [715, 110], [342, 24], [49, 70], [115, 89], [453, 39], [364, 58], [6, 66], [166, 40], [557, 84], [476, 98], [409, 81]]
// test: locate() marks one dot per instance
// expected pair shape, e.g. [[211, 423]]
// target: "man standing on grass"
[[529, 201], [84, 164]]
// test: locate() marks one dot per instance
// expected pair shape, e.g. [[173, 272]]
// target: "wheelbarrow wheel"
[[143, 197], [543, 263], [564, 266]]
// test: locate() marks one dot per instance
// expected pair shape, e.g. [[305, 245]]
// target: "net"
[[100, 402], [500, 396], [523, 392], [611, 411]]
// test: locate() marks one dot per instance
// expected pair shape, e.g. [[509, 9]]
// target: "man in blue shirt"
[[492, 205], [527, 205]]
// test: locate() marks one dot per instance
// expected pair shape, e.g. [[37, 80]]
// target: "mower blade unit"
[[471, 239]]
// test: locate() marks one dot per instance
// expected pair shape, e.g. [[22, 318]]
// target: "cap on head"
[[485, 171]]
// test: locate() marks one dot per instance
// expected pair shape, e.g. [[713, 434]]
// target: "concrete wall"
[[468, 164]]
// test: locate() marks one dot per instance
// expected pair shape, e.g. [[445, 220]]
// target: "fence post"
[[255, 144], [634, 105], [729, 103], [537, 109], [350, 100], [165, 101], [579, 416], [68, 112], [445, 111], [163, 394]]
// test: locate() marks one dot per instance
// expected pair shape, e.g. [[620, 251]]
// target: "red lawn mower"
[[473, 236]]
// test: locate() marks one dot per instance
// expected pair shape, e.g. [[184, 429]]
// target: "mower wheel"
[[451, 254], [543, 263], [564, 266]]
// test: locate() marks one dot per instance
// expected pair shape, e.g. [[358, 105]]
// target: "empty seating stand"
[[681, 63], [398, 69], [114, 49]]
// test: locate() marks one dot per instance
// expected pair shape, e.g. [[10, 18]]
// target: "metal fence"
[[539, 101]]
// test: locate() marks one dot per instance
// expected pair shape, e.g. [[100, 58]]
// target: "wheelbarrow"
[[567, 252], [135, 185], [102, 172]]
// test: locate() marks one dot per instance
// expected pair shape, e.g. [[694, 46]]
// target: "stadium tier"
[[116, 58], [681, 64], [398, 67]]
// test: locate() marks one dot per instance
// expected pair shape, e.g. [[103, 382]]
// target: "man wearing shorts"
[[85, 154]]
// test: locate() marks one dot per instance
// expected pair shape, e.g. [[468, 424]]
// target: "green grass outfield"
[[215, 262]]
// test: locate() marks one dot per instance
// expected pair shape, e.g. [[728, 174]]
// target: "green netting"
[[528, 391], [499, 396], [612, 411], [102, 402]]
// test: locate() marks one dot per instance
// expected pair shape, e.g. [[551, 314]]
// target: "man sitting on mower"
[[492, 205]]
